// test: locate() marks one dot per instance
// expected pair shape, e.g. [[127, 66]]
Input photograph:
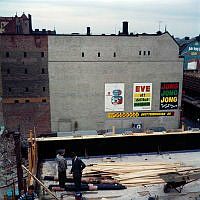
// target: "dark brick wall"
[[191, 83], [24, 69]]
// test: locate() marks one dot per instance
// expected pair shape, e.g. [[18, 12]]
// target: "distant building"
[[16, 25], [190, 50], [20, 25]]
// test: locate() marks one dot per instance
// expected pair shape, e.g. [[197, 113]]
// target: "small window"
[[99, 54], [82, 54], [16, 101], [25, 54], [26, 89], [27, 100], [8, 71], [44, 89], [144, 53], [7, 54], [44, 100], [43, 71], [42, 54], [140, 53], [114, 55], [9, 89], [25, 71], [149, 53]]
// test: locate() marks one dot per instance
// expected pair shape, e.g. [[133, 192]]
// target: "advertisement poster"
[[169, 95], [142, 96], [114, 97]]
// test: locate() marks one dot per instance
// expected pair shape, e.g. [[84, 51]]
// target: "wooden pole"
[[17, 140], [45, 188]]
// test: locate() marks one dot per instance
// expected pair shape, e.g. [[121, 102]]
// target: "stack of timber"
[[135, 174]]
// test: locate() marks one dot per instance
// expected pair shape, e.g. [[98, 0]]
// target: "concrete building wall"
[[77, 77], [25, 82]]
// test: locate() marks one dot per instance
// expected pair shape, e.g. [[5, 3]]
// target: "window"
[[7, 54], [25, 71], [9, 89], [43, 71], [26, 89], [140, 53], [149, 53], [43, 89], [144, 53], [25, 54], [16, 101], [8, 71], [114, 55], [42, 54], [99, 54], [44, 100], [27, 100], [82, 54]]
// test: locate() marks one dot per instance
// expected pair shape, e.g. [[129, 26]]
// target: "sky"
[[180, 17]]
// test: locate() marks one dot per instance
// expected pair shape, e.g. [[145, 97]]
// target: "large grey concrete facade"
[[79, 66]]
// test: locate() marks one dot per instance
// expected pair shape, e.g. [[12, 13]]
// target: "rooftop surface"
[[189, 192]]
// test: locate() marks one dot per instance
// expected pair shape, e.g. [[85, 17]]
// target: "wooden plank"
[[45, 188]]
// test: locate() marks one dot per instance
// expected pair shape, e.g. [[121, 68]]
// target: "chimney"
[[88, 30], [125, 28], [30, 23]]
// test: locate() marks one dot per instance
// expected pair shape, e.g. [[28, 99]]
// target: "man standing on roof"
[[77, 167], [29, 195], [62, 166]]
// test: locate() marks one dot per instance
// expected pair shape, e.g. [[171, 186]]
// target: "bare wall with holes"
[[79, 67]]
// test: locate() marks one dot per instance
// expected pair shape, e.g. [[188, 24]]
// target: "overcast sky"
[[181, 17]]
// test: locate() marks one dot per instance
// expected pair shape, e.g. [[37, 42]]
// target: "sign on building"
[[142, 96], [169, 95], [114, 97]]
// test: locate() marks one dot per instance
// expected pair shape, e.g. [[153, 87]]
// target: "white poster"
[[142, 96], [114, 97]]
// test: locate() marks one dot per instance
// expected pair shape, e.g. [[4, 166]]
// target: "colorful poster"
[[142, 96], [114, 97], [169, 96]]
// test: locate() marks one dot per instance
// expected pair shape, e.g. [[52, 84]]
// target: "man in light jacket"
[[62, 166]]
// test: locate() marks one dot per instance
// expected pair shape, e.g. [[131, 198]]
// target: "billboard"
[[169, 95], [140, 114], [142, 96], [114, 97]]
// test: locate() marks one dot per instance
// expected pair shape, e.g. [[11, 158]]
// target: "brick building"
[[16, 25], [24, 73]]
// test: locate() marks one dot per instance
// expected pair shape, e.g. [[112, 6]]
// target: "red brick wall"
[[15, 83]]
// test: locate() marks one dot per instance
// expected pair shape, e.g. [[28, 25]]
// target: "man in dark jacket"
[[77, 166], [62, 166]]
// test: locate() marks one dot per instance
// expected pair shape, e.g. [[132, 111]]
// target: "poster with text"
[[114, 97], [169, 95], [142, 96]]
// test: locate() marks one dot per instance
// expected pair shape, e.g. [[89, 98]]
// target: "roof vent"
[[88, 31], [125, 28], [187, 38]]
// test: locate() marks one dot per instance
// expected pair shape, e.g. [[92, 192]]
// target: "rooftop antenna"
[[159, 22], [165, 28]]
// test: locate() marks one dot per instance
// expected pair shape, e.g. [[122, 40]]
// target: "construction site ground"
[[190, 191]]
